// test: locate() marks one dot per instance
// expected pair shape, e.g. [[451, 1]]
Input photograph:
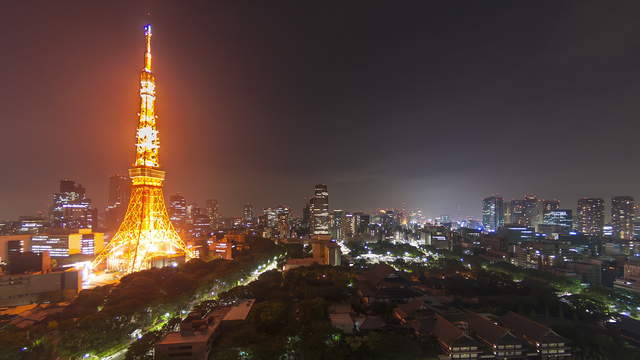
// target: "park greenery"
[[142, 305], [577, 311], [290, 320]]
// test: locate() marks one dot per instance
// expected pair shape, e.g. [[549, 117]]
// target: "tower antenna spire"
[[147, 53]]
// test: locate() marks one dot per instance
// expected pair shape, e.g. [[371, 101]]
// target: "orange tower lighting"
[[146, 236]]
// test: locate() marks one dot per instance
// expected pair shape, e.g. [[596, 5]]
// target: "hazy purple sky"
[[417, 104]]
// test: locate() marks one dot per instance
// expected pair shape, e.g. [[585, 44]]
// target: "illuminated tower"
[[146, 237]]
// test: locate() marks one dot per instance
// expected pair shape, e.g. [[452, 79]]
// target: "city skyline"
[[409, 180], [249, 95]]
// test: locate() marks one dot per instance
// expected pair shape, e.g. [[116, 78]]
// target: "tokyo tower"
[[146, 237]]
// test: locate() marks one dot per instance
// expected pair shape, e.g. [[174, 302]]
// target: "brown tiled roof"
[[445, 331], [490, 332], [529, 328], [340, 308], [425, 325], [378, 272], [408, 309], [396, 293], [372, 323]]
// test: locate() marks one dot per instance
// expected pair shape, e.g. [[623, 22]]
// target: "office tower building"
[[590, 216], [306, 220], [72, 209], [337, 219], [193, 210], [200, 226], [276, 221], [517, 210], [607, 231], [533, 213], [442, 219], [525, 212], [348, 227], [320, 212], [119, 190], [212, 213], [622, 216], [269, 218], [248, 216], [492, 213], [545, 206], [362, 222], [560, 217], [550, 205], [83, 242], [556, 221], [178, 211], [636, 222], [415, 217], [282, 222], [31, 225]]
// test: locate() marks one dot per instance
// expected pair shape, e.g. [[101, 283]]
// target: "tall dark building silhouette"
[[306, 220], [622, 216], [211, 208], [119, 191], [550, 205], [248, 215], [493, 213], [320, 222], [178, 211], [72, 209], [590, 216]]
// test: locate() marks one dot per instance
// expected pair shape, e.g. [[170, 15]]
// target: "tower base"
[[146, 238]]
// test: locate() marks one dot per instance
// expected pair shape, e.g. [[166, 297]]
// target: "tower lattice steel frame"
[[146, 235]]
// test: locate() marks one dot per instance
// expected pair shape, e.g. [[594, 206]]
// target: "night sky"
[[418, 104]]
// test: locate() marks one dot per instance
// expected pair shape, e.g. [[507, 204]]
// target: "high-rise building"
[[83, 242], [337, 220], [200, 226], [276, 220], [607, 230], [550, 205], [348, 227], [270, 218], [525, 212], [492, 213], [119, 190], [622, 216], [559, 217], [533, 215], [248, 216], [31, 225], [362, 222], [72, 209], [591, 216], [283, 227], [319, 203], [178, 213], [306, 220], [636, 222], [212, 213], [518, 214]]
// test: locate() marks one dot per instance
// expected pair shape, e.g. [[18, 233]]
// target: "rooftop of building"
[[449, 334], [490, 332], [240, 311], [530, 328]]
